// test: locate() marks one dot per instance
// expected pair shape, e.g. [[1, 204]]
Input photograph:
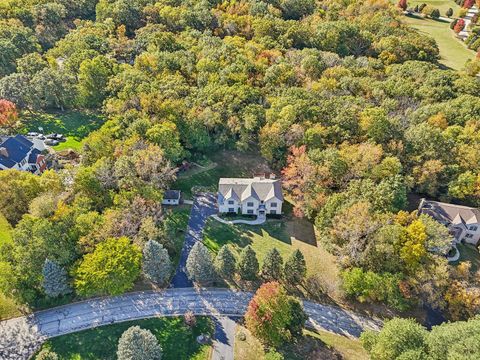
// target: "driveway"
[[21, 337], [204, 205]]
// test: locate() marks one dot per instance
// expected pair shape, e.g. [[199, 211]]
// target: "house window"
[[250, 211], [473, 228], [249, 204], [231, 202], [273, 204], [273, 212], [231, 210], [469, 236]]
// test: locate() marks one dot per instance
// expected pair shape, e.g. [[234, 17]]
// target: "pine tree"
[[225, 263], [248, 264], [449, 12], [272, 265], [156, 266], [138, 344], [200, 266], [55, 281], [295, 268]]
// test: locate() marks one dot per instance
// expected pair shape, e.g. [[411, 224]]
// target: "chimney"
[[4, 152]]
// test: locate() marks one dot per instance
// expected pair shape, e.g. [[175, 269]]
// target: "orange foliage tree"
[[8, 114]]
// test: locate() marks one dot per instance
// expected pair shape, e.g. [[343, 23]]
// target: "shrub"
[[449, 12], [459, 26], [138, 344]]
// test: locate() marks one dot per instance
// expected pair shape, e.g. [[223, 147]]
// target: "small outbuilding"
[[171, 197]]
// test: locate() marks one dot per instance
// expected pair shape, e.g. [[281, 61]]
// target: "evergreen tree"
[[272, 265], [449, 12], [199, 265], [156, 266], [248, 264], [138, 344], [295, 268], [55, 281], [225, 262]]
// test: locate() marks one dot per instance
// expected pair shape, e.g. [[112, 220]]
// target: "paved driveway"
[[205, 204], [20, 337]]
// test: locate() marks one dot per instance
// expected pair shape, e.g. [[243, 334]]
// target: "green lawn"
[[229, 164], [286, 234], [313, 345], [177, 340], [453, 53], [5, 230], [442, 5], [469, 253], [75, 125]]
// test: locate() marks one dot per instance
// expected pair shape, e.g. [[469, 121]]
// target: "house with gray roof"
[[462, 221], [19, 153], [260, 195]]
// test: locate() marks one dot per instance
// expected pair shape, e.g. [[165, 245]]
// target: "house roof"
[[171, 195], [32, 158], [241, 189], [17, 148], [446, 213]]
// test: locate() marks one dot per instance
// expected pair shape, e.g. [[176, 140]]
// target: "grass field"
[[228, 164], [469, 253], [177, 340], [286, 234], [453, 53], [314, 345], [75, 125], [442, 5]]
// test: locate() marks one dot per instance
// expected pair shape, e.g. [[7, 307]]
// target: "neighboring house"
[[171, 197], [462, 221], [260, 195], [18, 152]]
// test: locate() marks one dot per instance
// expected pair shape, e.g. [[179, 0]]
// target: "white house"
[[171, 197], [462, 221], [257, 196], [19, 153]]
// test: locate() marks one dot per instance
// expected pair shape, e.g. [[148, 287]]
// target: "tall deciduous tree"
[[93, 77], [157, 266], [138, 344], [247, 266], [8, 114], [110, 270], [200, 265], [55, 282], [273, 316]]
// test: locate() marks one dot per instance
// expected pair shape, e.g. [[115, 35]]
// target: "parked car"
[[51, 136], [32, 133], [51, 142], [41, 137]]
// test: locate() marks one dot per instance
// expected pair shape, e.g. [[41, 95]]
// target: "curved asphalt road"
[[21, 337]]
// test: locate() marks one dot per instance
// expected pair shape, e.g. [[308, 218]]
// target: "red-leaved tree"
[[468, 4], [274, 317], [8, 114], [459, 26], [402, 4]]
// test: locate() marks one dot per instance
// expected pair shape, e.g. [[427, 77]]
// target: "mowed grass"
[[75, 125], [177, 340], [229, 163], [285, 234], [442, 5], [470, 253], [314, 345], [453, 53]]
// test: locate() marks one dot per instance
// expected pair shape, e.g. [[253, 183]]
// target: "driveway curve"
[[21, 337]]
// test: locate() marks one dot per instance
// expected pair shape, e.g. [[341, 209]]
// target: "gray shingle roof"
[[450, 213], [258, 188]]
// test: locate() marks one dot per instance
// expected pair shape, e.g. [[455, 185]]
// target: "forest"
[[348, 103]]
